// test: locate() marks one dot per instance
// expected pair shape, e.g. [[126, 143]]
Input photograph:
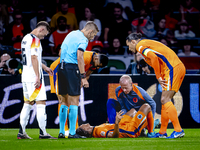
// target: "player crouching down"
[[129, 125]]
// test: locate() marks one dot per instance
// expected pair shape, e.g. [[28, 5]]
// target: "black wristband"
[[83, 75]]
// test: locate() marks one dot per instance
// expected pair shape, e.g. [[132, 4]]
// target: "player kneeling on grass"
[[129, 125]]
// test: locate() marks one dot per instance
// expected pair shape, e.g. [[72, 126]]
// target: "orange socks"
[[150, 121], [169, 112], [164, 120], [172, 113]]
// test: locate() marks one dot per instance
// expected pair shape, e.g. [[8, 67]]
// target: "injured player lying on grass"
[[129, 125]]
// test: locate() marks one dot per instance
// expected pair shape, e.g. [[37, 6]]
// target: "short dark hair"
[[61, 18], [103, 59], [63, 2], [40, 7], [118, 5], [82, 132], [44, 23], [134, 36], [17, 12]]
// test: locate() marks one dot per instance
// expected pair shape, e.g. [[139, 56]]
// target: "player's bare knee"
[[145, 105], [165, 100], [29, 102], [131, 112], [167, 96], [59, 99], [145, 108], [43, 102], [73, 100]]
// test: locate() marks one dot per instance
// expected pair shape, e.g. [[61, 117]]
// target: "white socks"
[[24, 116], [42, 118]]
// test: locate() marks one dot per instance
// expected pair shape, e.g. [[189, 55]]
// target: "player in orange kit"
[[170, 73], [92, 62], [129, 125]]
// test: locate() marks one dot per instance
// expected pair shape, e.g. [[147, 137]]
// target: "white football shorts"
[[31, 93]]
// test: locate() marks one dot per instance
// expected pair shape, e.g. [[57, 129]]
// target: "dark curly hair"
[[103, 60], [134, 36], [82, 132]]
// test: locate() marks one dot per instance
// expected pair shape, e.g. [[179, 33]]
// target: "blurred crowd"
[[174, 23]]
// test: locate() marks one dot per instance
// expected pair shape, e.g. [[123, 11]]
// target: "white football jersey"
[[31, 45]]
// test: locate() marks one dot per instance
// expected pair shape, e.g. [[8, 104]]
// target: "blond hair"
[[91, 25], [44, 23], [126, 77]]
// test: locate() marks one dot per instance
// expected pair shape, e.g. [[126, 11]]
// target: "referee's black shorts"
[[69, 79]]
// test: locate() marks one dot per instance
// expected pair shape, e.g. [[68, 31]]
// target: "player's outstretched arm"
[[117, 120]]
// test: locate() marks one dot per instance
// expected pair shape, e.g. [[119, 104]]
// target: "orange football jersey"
[[128, 127], [87, 56], [158, 55]]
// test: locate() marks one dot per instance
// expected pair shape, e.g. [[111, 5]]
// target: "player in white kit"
[[33, 81]]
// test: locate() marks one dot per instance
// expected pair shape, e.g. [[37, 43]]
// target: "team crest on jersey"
[[139, 116], [36, 49], [103, 133], [135, 100]]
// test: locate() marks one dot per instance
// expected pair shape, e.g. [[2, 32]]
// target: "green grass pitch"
[[9, 141]]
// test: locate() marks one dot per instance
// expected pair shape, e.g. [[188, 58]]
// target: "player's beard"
[[135, 51], [90, 36]]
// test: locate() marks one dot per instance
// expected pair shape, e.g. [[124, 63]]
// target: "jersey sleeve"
[[35, 46], [154, 62], [148, 99], [82, 46], [144, 49], [154, 59], [118, 91], [100, 131]]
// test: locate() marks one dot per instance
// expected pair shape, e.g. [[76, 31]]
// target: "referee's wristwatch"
[[83, 75]]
